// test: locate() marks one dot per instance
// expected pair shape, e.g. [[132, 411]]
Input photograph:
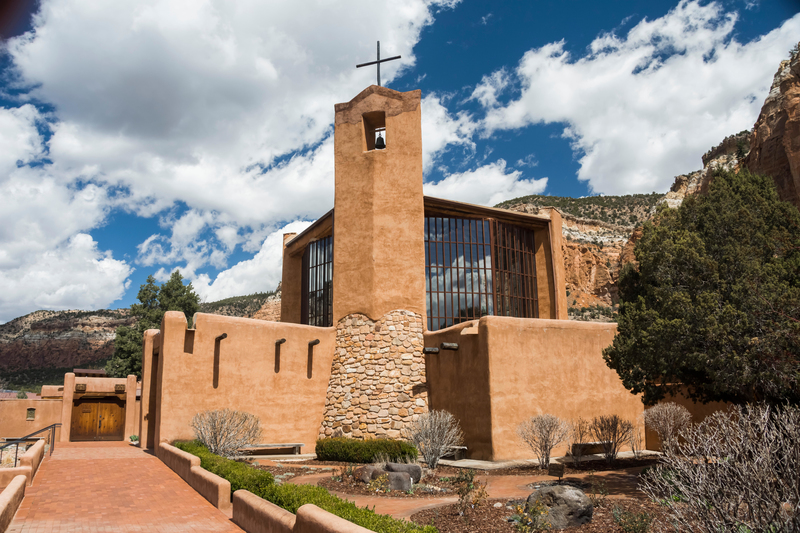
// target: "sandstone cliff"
[[59, 339], [776, 134]]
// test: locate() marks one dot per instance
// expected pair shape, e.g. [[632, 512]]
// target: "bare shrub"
[[612, 432], [637, 441], [225, 431], [579, 434], [542, 433], [738, 470], [434, 434], [668, 420]]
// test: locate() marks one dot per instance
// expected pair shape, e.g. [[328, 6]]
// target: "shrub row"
[[363, 451], [292, 497]]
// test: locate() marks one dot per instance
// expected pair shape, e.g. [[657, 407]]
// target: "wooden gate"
[[98, 419]]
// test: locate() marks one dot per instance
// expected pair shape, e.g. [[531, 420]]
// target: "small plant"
[[612, 431], [379, 484], [22, 395], [542, 433], [631, 522], [134, 438], [597, 490], [226, 431], [471, 493], [532, 517], [434, 434]]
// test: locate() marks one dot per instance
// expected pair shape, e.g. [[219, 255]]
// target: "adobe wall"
[[13, 414], [284, 385], [509, 369], [377, 383]]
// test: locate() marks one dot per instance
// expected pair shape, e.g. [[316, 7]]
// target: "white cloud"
[[262, 273], [441, 130], [642, 108], [486, 185], [218, 112], [71, 275]]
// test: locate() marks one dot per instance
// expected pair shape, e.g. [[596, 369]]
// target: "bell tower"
[[377, 383], [379, 214]]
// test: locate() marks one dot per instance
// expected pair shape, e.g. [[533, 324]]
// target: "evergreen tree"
[[714, 305], [154, 302]]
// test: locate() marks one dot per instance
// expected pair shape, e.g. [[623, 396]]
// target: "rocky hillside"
[[244, 306], [59, 338], [776, 134]]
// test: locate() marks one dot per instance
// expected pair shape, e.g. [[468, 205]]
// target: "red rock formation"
[[775, 145], [60, 339]]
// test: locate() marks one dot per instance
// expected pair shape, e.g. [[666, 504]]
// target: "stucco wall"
[[13, 414], [379, 217], [509, 369], [196, 373]]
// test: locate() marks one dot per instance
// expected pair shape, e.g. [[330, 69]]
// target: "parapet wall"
[[509, 369], [377, 383], [197, 370]]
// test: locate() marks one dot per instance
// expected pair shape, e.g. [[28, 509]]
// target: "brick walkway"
[[104, 487]]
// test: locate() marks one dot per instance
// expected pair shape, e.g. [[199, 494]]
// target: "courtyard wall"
[[509, 369], [195, 370]]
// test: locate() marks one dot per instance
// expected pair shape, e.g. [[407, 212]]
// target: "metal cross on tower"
[[378, 62]]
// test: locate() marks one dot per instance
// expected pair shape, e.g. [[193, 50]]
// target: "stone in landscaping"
[[399, 481], [415, 471], [567, 506], [367, 473]]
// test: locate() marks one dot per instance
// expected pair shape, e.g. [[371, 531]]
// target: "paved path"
[[103, 487]]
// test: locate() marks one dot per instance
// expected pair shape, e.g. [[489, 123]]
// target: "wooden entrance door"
[[98, 419]]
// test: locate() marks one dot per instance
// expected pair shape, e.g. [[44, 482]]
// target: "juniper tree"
[[154, 302], [714, 303]]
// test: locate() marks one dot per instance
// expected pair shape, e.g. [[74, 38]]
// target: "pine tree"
[[714, 304], [154, 302]]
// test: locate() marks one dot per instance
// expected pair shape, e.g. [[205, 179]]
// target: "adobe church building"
[[393, 304]]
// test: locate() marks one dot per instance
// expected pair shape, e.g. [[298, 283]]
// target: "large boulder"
[[567, 506], [415, 471], [367, 473], [399, 481]]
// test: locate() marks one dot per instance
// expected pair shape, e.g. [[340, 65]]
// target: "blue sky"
[[148, 135]]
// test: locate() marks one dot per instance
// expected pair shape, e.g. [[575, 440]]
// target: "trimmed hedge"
[[240, 475], [292, 497], [363, 451]]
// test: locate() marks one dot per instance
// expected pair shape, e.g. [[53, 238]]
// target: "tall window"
[[317, 301], [477, 267]]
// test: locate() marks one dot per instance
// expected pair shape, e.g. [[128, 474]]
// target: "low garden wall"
[[257, 515], [28, 465], [10, 499], [212, 487]]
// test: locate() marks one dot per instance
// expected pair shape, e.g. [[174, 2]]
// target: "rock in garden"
[[399, 481], [415, 471], [365, 474], [567, 506]]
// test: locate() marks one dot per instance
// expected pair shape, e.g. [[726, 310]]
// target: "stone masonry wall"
[[377, 383]]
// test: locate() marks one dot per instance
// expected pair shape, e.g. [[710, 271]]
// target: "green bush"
[[363, 451], [292, 497], [240, 475]]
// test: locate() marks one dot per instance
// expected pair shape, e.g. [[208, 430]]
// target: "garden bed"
[[487, 518]]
